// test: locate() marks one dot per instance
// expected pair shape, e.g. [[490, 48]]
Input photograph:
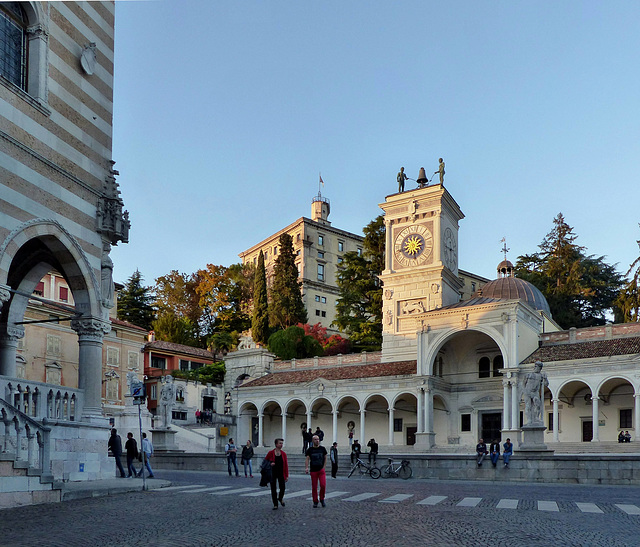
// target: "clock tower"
[[421, 265]]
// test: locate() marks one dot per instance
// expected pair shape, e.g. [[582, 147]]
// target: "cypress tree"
[[260, 319], [286, 308]]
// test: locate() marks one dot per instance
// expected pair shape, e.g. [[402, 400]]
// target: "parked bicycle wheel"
[[387, 472], [375, 473], [405, 472]]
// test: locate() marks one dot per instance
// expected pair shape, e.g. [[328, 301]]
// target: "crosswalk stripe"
[[172, 488], [432, 500], [507, 504], [362, 497], [263, 492], [297, 494], [469, 502], [236, 491], [548, 506], [210, 489], [588, 507], [628, 509], [397, 498]]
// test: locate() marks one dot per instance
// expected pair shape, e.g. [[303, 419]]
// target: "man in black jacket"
[[115, 445], [373, 451], [131, 446]]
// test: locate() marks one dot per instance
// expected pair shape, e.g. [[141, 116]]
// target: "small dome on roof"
[[505, 269], [513, 288]]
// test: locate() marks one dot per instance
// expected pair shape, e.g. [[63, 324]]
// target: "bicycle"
[[365, 469], [397, 469]]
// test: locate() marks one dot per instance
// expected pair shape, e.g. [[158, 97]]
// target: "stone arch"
[[441, 338]]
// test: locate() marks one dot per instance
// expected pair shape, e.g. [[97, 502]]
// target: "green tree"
[[293, 343], [208, 374], [359, 307], [628, 301], [179, 330], [580, 289], [260, 319], [176, 292], [135, 302], [222, 342], [286, 308]]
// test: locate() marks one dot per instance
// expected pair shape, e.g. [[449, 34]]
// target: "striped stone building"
[[60, 207]]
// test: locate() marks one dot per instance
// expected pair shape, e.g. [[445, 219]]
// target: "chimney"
[[151, 337]]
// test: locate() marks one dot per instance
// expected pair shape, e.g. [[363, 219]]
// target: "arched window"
[[484, 368], [13, 43], [498, 363]]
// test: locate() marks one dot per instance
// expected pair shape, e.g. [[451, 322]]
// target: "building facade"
[[61, 207], [320, 250]]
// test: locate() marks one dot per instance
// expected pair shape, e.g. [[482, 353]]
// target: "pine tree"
[[286, 307], [260, 319], [134, 302]]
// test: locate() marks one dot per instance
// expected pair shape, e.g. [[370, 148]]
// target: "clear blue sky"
[[225, 113]]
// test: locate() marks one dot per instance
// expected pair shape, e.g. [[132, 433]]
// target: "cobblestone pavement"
[[218, 510]]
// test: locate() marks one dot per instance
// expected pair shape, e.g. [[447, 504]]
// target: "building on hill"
[[320, 248], [454, 358]]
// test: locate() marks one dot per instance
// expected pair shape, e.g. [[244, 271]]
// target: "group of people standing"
[[307, 438], [231, 451], [204, 416], [133, 455], [494, 452]]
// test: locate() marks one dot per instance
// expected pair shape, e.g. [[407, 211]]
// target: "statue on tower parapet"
[[401, 178], [440, 170]]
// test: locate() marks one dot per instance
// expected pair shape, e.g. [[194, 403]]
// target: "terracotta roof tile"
[[585, 350], [178, 348], [334, 373]]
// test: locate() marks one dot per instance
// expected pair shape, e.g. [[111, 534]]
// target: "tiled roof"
[[586, 350], [126, 324], [178, 348], [474, 301], [335, 373]]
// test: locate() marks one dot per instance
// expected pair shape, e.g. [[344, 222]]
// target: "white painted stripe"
[[297, 494], [432, 500], [330, 495], [548, 506], [208, 489], [172, 488], [94, 14], [507, 504], [396, 499], [364, 496], [468, 502], [589, 507], [628, 509], [84, 29], [236, 491], [263, 492]]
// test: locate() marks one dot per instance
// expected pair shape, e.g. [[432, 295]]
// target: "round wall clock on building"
[[413, 245], [450, 251]]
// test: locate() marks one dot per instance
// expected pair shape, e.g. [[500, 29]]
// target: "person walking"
[[279, 472], [319, 433], [494, 451], [333, 455], [247, 454], [147, 450], [314, 465], [231, 452], [507, 453], [131, 446], [115, 445]]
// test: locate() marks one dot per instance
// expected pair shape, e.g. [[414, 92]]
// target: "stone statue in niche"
[[167, 400], [106, 277]]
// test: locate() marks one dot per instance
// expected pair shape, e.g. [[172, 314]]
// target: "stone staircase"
[[25, 467], [601, 447]]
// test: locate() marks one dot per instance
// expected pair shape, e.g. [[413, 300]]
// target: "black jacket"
[[115, 445]]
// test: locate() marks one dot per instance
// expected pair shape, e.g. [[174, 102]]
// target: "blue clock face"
[[413, 245]]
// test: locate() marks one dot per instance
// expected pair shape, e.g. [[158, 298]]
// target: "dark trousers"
[[231, 459], [119, 465], [372, 456], [131, 466], [280, 480], [334, 469]]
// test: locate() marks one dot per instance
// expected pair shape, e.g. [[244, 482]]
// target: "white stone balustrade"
[[39, 400]]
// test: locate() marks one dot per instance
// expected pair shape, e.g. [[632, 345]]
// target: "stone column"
[[515, 405], [636, 421], [428, 404], [284, 426], [556, 422], [260, 431], [420, 410], [391, 413], [90, 331], [9, 337], [308, 419], [362, 441], [506, 409], [334, 425], [596, 436]]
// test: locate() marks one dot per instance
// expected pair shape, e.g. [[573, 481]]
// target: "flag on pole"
[[321, 181]]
